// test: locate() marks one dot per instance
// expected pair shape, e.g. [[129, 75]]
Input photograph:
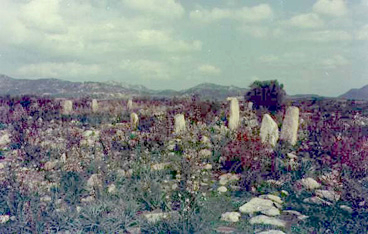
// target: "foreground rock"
[[289, 131], [232, 217], [263, 219], [269, 130], [264, 206], [134, 120], [310, 183]]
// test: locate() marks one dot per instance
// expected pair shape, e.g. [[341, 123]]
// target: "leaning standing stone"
[[269, 130], [289, 131], [130, 104], [179, 123], [234, 114]]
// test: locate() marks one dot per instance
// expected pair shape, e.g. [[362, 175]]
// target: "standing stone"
[[289, 131], [269, 130], [179, 123], [234, 114], [134, 120], [250, 105], [94, 106], [130, 104], [67, 107]]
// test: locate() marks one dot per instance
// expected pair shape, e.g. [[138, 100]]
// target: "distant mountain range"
[[356, 94], [110, 89], [116, 89]]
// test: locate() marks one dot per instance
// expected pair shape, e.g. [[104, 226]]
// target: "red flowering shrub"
[[250, 151]]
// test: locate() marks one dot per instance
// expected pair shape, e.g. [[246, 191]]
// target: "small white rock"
[[232, 217], [4, 218], [263, 219], [222, 189]]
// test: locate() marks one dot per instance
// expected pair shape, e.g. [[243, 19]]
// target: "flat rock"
[[310, 183], [264, 206], [327, 194], [263, 219], [272, 198], [317, 200], [225, 230], [271, 232]]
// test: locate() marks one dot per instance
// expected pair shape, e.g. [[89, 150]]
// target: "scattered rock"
[[225, 230], [263, 219], [4, 138], [134, 230], [159, 166], [88, 199], [284, 193], [4, 218], [226, 178], [154, 217], [231, 217], [50, 165], [272, 198], [264, 206], [222, 189], [45, 199], [271, 232], [295, 213], [329, 195], [347, 208], [111, 189], [269, 130], [205, 153], [94, 181], [310, 183], [289, 131], [316, 200]]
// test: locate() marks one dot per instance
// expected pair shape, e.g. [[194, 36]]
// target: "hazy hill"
[[356, 94]]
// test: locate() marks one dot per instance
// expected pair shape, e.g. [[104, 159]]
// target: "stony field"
[[182, 166]]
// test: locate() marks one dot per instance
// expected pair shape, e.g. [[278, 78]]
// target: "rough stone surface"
[[289, 131], [317, 201], [4, 138], [134, 120], [94, 181], [232, 217], [67, 107], [154, 217], [226, 178], [272, 198], [271, 232], [179, 123], [234, 114], [130, 104], [94, 105], [327, 194], [269, 130], [263, 219], [260, 205], [310, 183], [346, 208], [225, 230]]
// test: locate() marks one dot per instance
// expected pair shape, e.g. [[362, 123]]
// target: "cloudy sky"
[[311, 46]]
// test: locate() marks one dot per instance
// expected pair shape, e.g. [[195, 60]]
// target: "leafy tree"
[[268, 94]]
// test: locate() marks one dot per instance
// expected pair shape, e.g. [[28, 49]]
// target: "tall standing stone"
[[67, 107], [130, 104], [134, 120], [289, 131], [94, 106], [234, 114], [269, 130], [179, 123]]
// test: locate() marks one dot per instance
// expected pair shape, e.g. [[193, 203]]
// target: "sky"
[[311, 46]]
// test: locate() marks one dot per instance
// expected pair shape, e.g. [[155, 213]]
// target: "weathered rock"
[[234, 114], [271, 197], [263, 219], [317, 201], [154, 217], [4, 218], [179, 123], [260, 205], [250, 105], [94, 105], [94, 181], [232, 217], [4, 138], [50, 165], [205, 153], [130, 104], [88, 199], [67, 107], [159, 166], [222, 189], [134, 120], [289, 131], [346, 208], [310, 183], [295, 213], [226, 178], [271, 232], [269, 130], [225, 230], [111, 189], [327, 194]]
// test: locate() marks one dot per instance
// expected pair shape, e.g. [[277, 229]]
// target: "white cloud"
[[362, 33], [245, 14], [164, 8], [43, 15], [334, 62], [69, 69], [208, 69], [147, 69], [309, 20], [331, 7], [323, 36]]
